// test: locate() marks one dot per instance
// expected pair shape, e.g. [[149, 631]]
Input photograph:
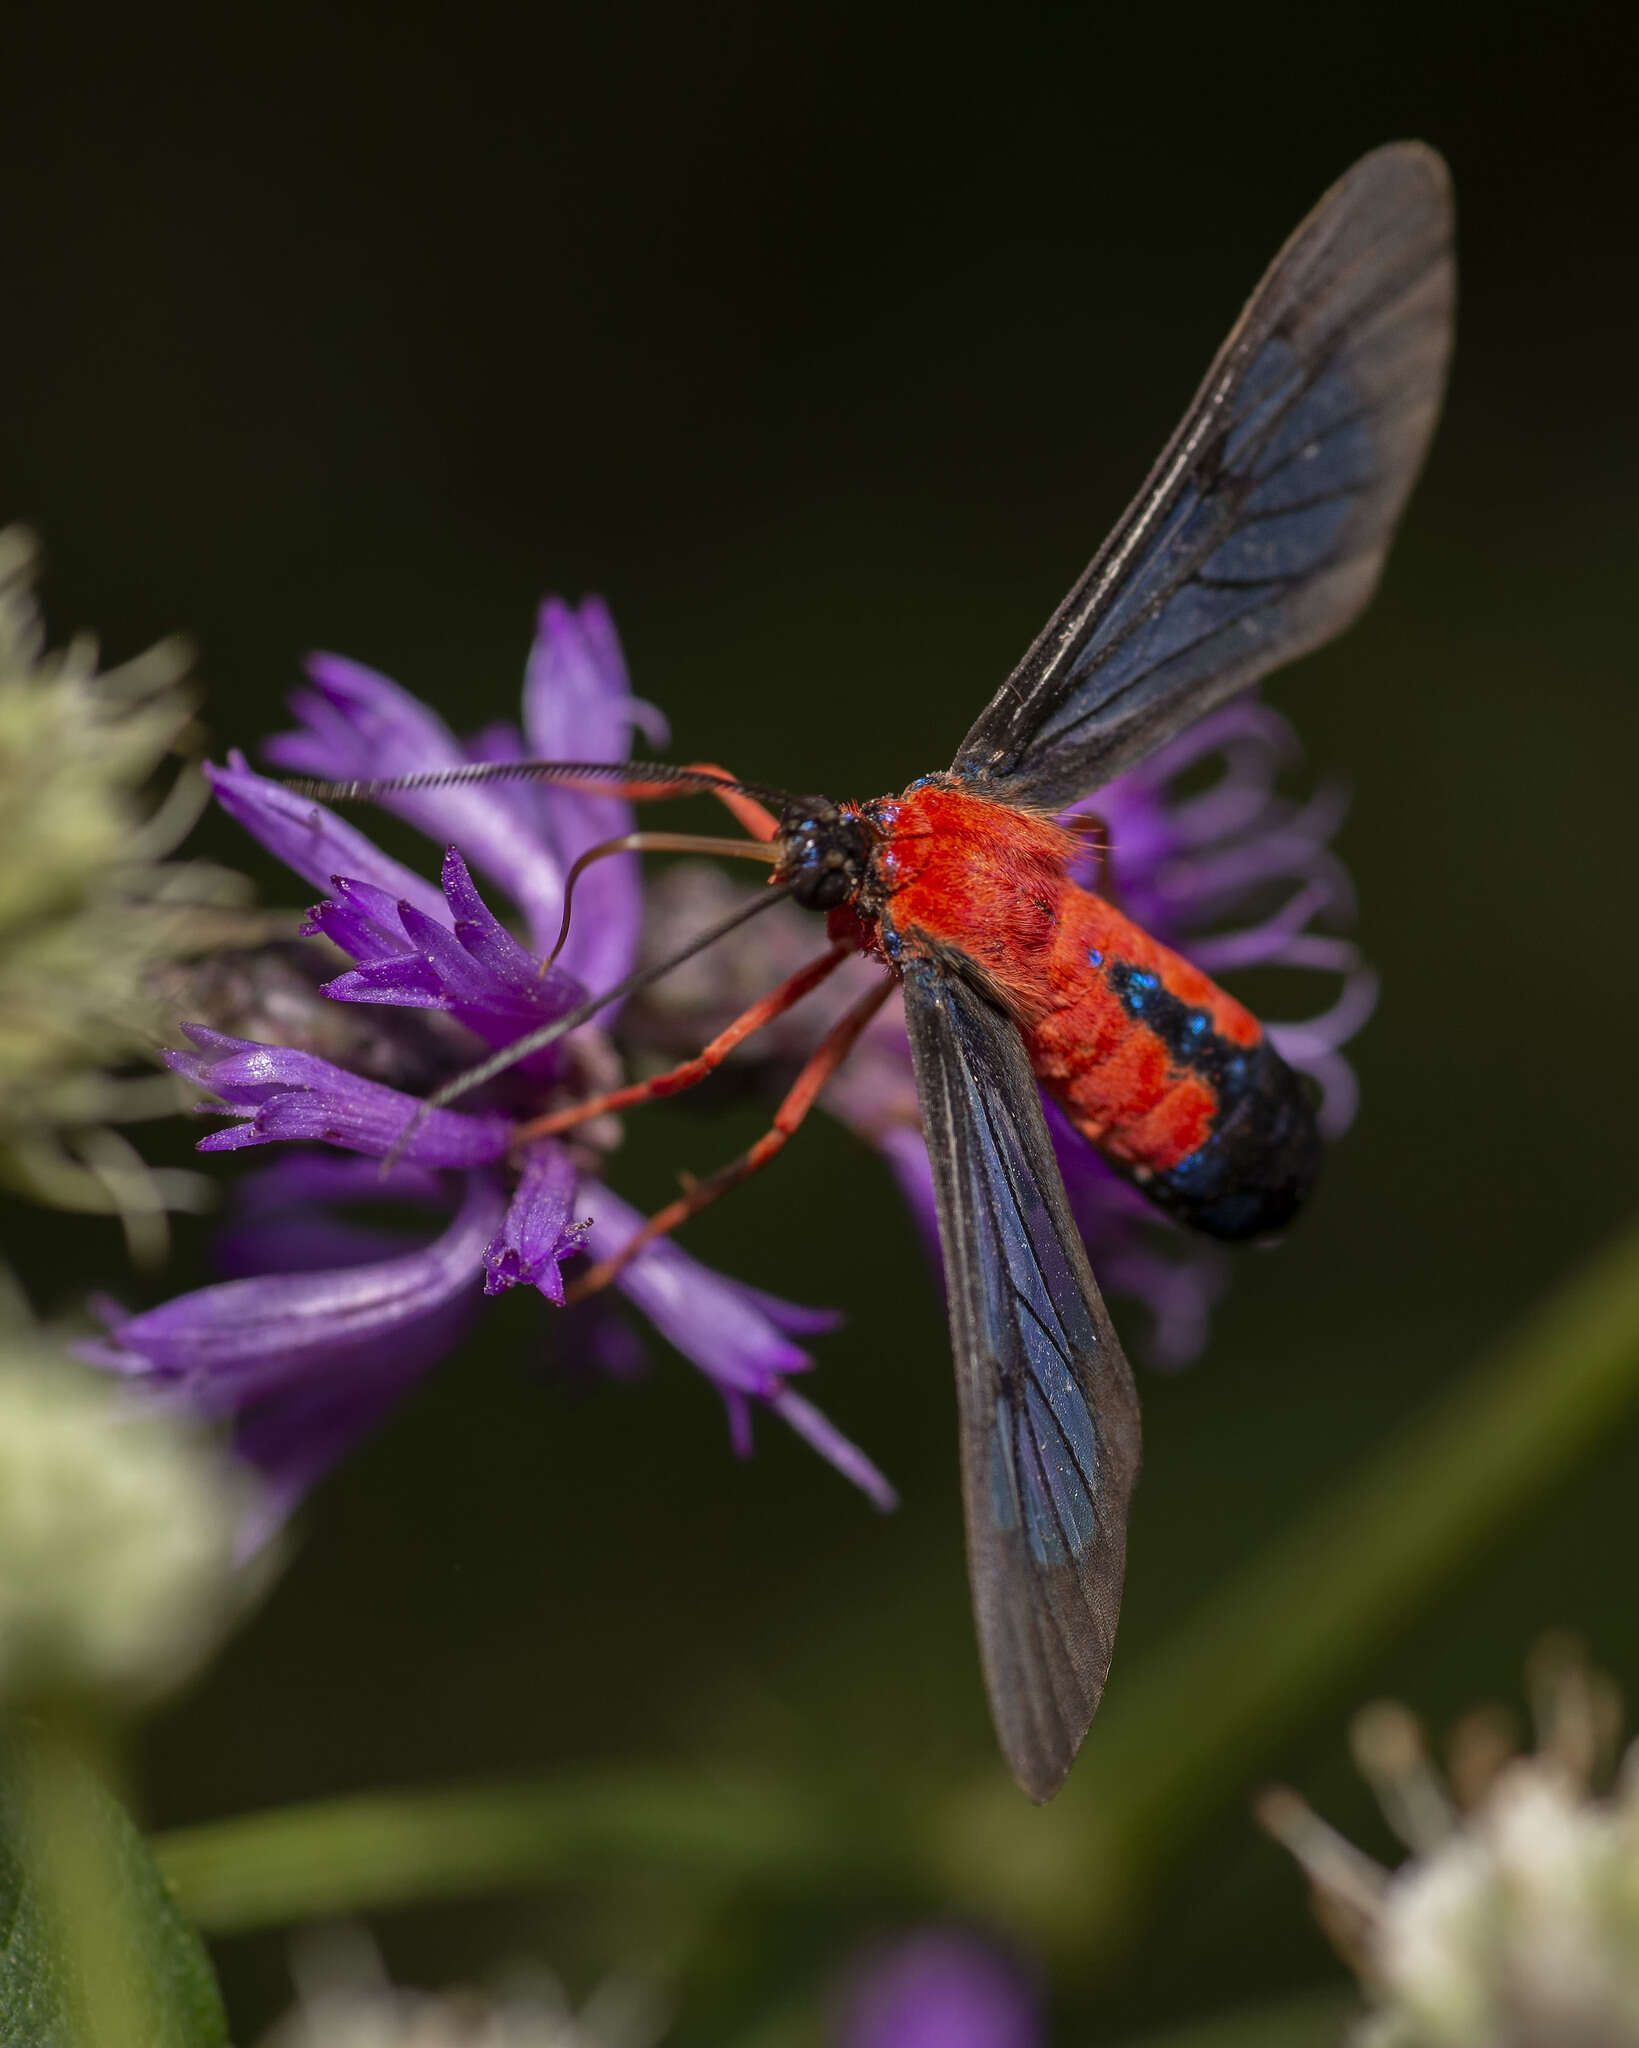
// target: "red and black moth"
[[1259, 534]]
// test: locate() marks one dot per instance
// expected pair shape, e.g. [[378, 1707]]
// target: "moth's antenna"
[[560, 1027], [654, 842], [637, 781]]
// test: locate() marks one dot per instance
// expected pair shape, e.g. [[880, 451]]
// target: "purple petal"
[[365, 922], [790, 1316], [577, 707], [836, 1449], [407, 984], [464, 961], [290, 1094], [550, 991], [578, 703], [537, 1234], [940, 1989], [359, 723], [707, 1317], [1272, 940], [723, 1328], [311, 841], [246, 1340]]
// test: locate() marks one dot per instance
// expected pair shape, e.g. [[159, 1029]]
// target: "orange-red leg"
[[693, 1071], [833, 1049]]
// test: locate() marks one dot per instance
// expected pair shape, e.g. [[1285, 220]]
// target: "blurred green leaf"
[[346, 1855], [94, 1949]]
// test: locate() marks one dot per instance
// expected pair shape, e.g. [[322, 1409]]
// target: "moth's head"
[[824, 851]]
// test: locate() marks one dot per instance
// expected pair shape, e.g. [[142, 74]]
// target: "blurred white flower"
[[346, 2001], [117, 1535], [1515, 1922]]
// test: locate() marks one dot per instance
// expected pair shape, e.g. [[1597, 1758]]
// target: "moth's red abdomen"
[[1171, 1078]]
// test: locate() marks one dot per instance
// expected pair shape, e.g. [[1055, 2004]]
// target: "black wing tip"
[[1041, 1779], [1404, 175], [1409, 153]]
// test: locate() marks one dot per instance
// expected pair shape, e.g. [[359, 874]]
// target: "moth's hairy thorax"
[[1164, 1072], [951, 871]]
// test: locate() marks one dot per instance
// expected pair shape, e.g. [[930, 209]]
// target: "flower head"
[[1232, 874], [1516, 1917], [328, 1322]]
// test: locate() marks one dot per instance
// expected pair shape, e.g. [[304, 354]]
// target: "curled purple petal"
[[942, 1988], [537, 1234]]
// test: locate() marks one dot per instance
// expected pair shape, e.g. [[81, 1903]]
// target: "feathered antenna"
[[636, 781]]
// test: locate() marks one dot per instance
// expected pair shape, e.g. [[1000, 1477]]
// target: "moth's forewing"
[[1263, 528], [1049, 1414]]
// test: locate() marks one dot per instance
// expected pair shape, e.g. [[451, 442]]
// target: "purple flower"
[[327, 1322], [1233, 874], [942, 1988]]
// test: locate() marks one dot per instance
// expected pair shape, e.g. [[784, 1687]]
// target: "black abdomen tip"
[[1257, 1169]]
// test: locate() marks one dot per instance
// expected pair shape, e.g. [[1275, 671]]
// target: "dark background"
[[826, 344]]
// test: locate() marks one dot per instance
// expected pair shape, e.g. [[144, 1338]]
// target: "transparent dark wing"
[[1049, 1415], [1262, 529]]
